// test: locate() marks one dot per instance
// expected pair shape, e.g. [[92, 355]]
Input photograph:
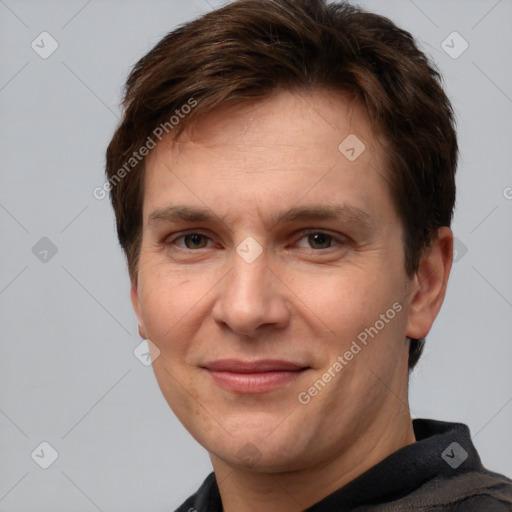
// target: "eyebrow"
[[176, 213], [346, 213]]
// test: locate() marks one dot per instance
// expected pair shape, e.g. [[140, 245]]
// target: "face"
[[271, 280]]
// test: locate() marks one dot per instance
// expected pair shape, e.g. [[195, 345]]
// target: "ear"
[[134, 296], [430, 284]]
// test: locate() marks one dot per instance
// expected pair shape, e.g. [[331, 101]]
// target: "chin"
[[270, 450], [249, 457]]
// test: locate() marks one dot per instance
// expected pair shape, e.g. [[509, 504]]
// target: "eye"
[[318, 240], [191, 241]]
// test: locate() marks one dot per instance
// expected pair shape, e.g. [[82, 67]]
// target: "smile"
[[253, 377]]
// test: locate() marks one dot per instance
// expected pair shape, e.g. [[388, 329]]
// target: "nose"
[[251, 299]]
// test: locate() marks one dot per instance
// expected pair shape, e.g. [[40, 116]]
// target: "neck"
[[248, 491]]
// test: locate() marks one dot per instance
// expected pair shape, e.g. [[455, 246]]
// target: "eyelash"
[[335, 240]]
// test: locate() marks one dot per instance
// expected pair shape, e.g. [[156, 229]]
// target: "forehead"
[[288, 148], [286, 118]]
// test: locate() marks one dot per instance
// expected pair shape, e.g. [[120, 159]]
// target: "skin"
[[304, 299]]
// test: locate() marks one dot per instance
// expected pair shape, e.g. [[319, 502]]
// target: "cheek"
[[170, 310], [164, 302], [358, 310], [344, 300]]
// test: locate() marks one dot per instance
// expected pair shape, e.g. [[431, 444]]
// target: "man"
[[283, 184]]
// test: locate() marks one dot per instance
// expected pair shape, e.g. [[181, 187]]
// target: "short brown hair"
[[248, 49]]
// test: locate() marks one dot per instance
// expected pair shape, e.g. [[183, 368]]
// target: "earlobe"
[[430, 284], [142, 332], [134, 296]]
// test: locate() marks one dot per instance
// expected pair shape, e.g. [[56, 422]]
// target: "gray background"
[[68, 375]]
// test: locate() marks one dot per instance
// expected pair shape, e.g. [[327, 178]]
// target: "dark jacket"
[[440, 472]]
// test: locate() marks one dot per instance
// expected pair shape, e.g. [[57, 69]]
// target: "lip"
[[253, 376], [259, 366]]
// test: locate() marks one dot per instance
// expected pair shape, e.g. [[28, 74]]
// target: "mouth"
[[253, 376]]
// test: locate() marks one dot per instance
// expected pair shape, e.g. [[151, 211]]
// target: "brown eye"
[[195, 241], [319, 240]]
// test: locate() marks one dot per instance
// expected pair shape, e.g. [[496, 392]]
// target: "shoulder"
[[483, 503], [468, 492]]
